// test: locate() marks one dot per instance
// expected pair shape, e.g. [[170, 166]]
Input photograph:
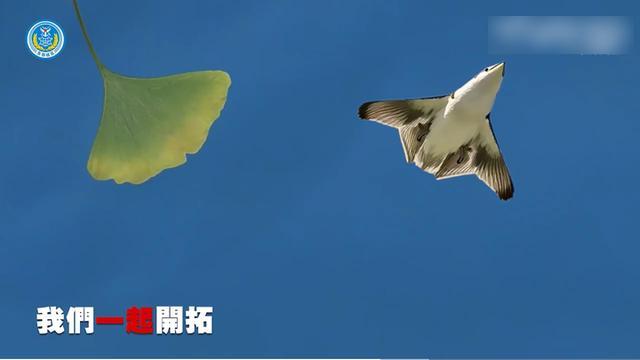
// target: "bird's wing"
[[412, 118], [399, 113], [429, 161], [489, 163], [481, 157], [413, 136], [458, 163]]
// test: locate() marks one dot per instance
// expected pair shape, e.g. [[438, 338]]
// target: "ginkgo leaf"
[[150, 124]]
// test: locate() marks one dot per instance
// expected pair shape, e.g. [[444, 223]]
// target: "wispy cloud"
[[586, 35]]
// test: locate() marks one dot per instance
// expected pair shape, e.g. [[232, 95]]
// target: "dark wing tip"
[[506, 194], [493, 171], [363, 111]]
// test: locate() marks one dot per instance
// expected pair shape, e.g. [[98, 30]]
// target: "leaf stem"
[[86, 36]]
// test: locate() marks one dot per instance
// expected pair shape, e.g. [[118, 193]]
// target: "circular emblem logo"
[[45, 39]]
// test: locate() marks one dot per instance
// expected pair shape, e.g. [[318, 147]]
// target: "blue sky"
[[303, 225]]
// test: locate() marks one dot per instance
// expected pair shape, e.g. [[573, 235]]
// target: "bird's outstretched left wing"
[[399, 113], [413, 118]]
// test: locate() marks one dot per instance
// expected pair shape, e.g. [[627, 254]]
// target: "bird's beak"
[[501, 67], [498, 68]]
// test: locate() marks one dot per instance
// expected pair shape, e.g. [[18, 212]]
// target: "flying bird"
[[451, 135]]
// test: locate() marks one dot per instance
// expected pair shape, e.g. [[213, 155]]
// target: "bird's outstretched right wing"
[[489, 163], [483, 158]]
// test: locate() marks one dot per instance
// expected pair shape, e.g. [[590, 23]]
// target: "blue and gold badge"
[[45, 39]]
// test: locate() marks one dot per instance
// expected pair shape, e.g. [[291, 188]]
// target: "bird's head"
[[480, 92], [489, 79]]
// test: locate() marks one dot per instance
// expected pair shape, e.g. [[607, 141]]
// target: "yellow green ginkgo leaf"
[[150, 124]]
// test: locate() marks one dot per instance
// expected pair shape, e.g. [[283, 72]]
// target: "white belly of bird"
[[451, 132]]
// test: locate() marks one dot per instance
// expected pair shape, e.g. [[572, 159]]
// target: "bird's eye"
[[486, 69]]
